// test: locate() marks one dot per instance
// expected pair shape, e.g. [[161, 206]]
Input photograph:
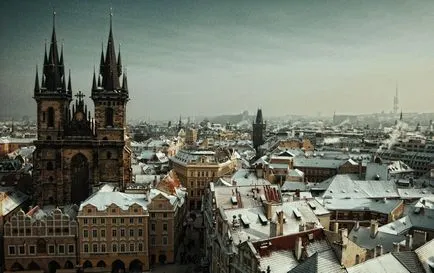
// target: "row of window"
[[31, 249], [101, 248], [202, 174], [41, 231], [122, 233], [164, 227], [97, 221]]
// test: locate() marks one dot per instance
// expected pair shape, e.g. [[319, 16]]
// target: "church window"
[[50, 119], [109, 155], [109, 116], [50, 166]]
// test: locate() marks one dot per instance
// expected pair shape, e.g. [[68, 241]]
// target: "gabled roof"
[[382, 264], [409, 260]]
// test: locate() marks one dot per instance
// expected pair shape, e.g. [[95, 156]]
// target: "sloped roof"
[[382, 264], [409, 260], [365, 240], [425, 255], [10, 199]]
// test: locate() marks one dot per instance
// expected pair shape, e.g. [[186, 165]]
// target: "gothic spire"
[[53, 66], [119, 62], [94, 80], [110, 73], [69, 82], [259, 119], [37, 81], [125, 82], [101, 62]]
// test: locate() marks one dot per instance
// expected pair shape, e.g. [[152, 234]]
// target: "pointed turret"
[[125, 82], [37, 88], [259, 119], [110, 73], [94, 87], [101, 62], [119, 62], [69, 82]]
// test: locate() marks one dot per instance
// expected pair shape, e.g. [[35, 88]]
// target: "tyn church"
[[75, 151]]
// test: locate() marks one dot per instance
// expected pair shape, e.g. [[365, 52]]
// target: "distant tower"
[[258, 131], [400, 116], [395, 101]]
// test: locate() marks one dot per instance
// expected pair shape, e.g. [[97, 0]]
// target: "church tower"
[[258, 137], [110, 99], [52, 96]]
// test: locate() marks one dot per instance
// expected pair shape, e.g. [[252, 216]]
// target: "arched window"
[[50, 119], [50, 166], [109, 116]]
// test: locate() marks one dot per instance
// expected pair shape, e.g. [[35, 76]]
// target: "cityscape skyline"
[[179, 55]]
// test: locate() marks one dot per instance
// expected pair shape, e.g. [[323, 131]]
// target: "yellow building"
[[197, 168]]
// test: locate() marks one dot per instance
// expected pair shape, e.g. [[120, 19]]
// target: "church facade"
[[76, 151]]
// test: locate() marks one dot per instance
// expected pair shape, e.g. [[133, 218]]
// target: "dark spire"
[[119, 62], [110, 73], [125, 82], [53, 65], [400, 116], [69, 82], [45, 55], [259, 119], [94, 80], [37, 81], [101, 62]]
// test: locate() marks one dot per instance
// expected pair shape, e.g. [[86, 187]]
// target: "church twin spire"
[[53, 74], [110, 70]]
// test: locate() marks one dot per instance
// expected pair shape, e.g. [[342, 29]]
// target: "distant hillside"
[[232, 119]]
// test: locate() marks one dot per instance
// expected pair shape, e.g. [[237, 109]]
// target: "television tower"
[[395, 101]]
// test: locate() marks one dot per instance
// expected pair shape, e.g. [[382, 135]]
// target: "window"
[[131, 220], [140, 232], [153, 227], [61, 249], [94, 233], [85, 221], [140, 247], [131, 247], [114, 248], [122, 220], [85, 233], [165, 215], [140, 220], [164, 227], [109, 116], [152, 240], [109, 155], [12, 250], [89, 210], [113, 220], [71, 248], [32, 249], [94, 221], [122, 247], [86, 248], [102, 233], [50, 166], [152, 215], [103, 250], [51, 249], [114, 233], [50, 122], [21, 250], [131, 232], [95, 248], [122, 232], [164, 240], [102, 220], [43, 116]]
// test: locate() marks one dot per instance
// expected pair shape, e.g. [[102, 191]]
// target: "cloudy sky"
[[207, 57]]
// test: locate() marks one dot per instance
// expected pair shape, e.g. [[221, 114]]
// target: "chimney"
[[360, 170], [374, 228], [298, 248], [280, 223], [301, 227], [336, 227], [374, 252], [395, 247], [380, 250], [268, 210], [273, 229], [409, 242]]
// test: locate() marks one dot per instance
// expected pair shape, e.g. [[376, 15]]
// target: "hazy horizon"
[[205, 58]]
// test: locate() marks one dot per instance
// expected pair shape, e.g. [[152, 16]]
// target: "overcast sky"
[[208, 57]]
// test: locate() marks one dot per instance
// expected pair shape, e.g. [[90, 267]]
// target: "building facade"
[[73, 150], [41, 240]]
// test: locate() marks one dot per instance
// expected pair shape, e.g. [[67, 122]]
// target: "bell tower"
[[110, 99], [52, 96]]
